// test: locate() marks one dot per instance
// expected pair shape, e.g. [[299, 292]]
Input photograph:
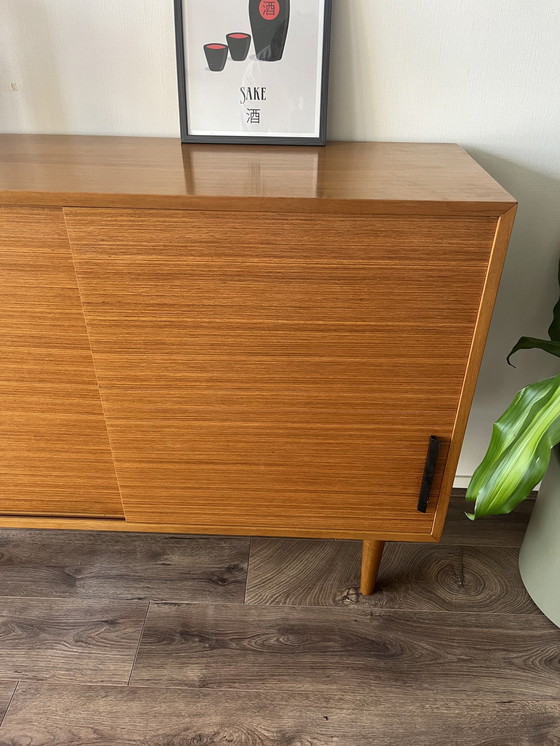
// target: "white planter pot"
[[539, 559]]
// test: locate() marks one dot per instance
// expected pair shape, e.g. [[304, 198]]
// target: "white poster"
[[254, 68]]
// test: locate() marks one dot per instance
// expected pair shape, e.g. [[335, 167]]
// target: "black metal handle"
[[429, 469]]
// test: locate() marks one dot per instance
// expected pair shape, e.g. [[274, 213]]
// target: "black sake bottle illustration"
[[269, 21]]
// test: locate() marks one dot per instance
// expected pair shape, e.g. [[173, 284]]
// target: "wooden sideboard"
[[241, 340]]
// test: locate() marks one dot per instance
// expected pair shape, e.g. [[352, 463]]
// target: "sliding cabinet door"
[[55, 457], [279, 371]]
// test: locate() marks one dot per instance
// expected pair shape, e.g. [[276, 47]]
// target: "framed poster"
[[253, 71]]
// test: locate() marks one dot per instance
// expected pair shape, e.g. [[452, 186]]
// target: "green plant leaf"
[[519, 450], [551, 345], [530, 343]]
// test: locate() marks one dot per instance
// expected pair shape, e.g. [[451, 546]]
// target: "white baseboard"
[[461, 481]]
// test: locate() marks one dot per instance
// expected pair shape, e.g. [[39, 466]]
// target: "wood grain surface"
[[55, 457], [412, 576], [409, 178], [107, 525], [292, 571], [484, 316], [304, 649], [7, 689], [138, 716], [228, 395], [446, 578], [69, 639], [351, 675], [63, 564]]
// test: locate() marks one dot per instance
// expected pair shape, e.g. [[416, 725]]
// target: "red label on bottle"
[[269, 9]]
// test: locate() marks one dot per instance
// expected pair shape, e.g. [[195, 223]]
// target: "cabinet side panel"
[[55, 457], [501, 238], [281, 372]]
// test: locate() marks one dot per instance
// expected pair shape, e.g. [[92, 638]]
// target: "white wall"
[[483, 73]]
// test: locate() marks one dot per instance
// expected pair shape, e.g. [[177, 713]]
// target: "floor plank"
[[412, 576], [81, 716], [450, 578], [65, 640], [7, 689], [303, 572], [85, 564], [495, 531], [449, 649], [306, 649]]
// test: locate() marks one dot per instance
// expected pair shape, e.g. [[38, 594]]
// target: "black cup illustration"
[[269, 23], [216, 56], [238, 44]]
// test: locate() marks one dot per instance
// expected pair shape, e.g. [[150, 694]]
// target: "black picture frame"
[[263, 139]]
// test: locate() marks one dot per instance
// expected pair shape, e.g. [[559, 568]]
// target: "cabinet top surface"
[[162, 173]]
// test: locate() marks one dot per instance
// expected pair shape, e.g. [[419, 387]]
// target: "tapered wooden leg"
[[371, 559]]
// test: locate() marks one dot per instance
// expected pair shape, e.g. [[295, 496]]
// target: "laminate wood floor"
[[147, 640]]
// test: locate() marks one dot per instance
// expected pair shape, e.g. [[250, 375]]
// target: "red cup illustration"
[[238, 44], [216, 56]]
